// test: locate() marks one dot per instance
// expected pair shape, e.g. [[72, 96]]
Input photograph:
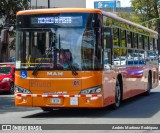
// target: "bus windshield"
[[59, 48]]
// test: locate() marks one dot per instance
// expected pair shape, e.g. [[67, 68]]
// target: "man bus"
[[61, 54]]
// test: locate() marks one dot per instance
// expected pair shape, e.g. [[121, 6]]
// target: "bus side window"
[[108, 43]]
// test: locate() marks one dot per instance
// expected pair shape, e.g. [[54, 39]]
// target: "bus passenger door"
[[108, 73]]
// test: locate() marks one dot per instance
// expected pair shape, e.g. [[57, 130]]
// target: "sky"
[[125, 3], [90, 3]]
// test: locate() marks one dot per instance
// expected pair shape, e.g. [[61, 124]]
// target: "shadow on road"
[[137, 107], [7, 104]]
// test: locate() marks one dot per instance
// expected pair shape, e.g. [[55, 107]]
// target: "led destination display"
[[57, 20]]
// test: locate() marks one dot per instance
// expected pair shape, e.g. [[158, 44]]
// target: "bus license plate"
[[56, 100]]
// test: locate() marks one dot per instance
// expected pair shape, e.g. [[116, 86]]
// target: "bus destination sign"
[[60, 20]]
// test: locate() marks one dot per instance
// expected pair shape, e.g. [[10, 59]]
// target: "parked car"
[[7, 77]]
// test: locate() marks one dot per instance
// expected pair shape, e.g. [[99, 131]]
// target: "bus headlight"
[[93, 90], [21, 90]]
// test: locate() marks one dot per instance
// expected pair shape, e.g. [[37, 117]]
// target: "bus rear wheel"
[[149, 85], [117, 95]]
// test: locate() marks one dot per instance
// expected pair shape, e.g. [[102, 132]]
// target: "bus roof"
[[114, 16], [83, 10], [58, 10]]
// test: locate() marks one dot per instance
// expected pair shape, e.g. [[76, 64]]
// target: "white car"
[[119, 61]]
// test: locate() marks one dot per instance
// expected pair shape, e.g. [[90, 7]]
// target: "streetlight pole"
[[30, 4], [48, 3], [115, 5], [36, 4]]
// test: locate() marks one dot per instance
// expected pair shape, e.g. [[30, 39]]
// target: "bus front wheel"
[[117, 95]]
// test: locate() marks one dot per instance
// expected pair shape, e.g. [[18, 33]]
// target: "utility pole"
[[36, 4], [48, 3], [115, 5]]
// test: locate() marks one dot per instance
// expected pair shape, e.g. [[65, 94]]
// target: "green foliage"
[[9, 8], [144, 13], [130, 16], [146, 10]]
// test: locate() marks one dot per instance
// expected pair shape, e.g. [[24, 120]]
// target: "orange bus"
[[82, 58]]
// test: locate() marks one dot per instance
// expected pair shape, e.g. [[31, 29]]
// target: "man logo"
[[54, 73]]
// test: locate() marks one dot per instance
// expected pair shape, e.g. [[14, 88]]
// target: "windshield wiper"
[[41, 61], [74, 72], [73, 69]]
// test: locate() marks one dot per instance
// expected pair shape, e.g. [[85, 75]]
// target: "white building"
[[58, 3], [76, 3]]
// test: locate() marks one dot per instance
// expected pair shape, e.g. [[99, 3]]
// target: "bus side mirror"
[[4, 37]]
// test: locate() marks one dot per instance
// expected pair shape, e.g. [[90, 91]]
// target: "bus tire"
[[47, 109], [118, 95], [149, 85]]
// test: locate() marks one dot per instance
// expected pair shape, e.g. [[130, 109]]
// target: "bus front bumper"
[[59, 101]]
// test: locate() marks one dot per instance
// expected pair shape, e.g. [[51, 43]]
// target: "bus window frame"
[[110, 38], [125, 37], [118, 35]]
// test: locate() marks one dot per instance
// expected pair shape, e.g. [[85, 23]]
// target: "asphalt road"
[[138, 110]]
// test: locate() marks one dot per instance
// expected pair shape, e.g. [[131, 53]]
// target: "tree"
[[146, 10], [9, 8], [130, 16]]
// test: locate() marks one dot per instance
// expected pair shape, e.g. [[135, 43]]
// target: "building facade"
[[57, 3], [106, 5], [76, 3]]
